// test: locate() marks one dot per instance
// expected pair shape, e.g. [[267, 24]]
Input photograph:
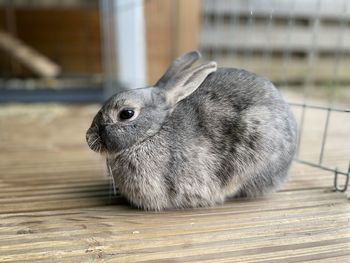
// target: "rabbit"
[[200, 135]]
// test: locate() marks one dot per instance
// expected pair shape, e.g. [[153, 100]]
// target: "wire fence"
[[299, 45], [303, 44]]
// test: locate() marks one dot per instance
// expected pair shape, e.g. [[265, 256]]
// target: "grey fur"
[[200, 137]]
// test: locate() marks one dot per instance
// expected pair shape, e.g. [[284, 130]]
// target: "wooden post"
[[187, 25], [172, 28]]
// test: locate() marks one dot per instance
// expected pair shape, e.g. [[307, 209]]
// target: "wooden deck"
[[56, 204]]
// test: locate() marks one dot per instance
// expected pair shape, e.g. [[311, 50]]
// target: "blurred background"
[[58, 58], [80, 45]]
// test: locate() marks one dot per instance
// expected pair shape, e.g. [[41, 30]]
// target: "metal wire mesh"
[[300, 45], [274, 37]]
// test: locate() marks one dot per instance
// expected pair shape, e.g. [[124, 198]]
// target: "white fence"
[[285, 40]]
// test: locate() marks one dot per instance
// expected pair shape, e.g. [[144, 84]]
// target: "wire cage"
[[300, 45], [56, 202]]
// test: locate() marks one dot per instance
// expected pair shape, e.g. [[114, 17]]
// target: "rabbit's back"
[[251, 130], [239, 90]]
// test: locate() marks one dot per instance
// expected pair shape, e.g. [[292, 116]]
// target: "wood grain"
[[68, 36], [56, 204], [172, 28]]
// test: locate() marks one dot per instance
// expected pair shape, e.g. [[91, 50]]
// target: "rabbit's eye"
[[126, 114]]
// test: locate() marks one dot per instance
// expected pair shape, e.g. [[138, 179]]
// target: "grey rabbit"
[[198, 136]]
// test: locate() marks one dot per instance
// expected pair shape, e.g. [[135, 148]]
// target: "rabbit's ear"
[[184, 83], [181, 63]]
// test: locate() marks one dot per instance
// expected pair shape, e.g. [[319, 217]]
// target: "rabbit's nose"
[[105, 133]]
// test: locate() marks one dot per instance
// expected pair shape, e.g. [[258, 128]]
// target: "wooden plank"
[[129, 247], [187, 21], [171, 28], [38, 63], [55, 204], [55, 4], [278, 38], [160, 44], [281, 69], [174, 231], [74, 44], [326, 9]]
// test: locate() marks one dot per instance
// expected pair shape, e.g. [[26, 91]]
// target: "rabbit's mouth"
[[94, 140]]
